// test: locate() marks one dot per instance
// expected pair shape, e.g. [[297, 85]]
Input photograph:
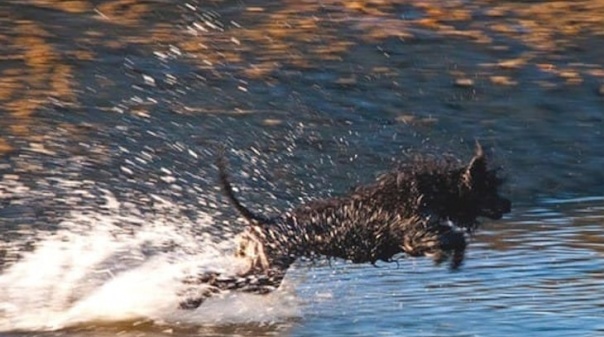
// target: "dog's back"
[[422, 208]]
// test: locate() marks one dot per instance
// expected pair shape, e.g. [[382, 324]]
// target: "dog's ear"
[[476, 168]]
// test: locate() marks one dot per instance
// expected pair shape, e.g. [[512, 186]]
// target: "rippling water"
[[112, 111], [523, 275]]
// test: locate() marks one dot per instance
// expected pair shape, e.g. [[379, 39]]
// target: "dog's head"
[[449, 194], [475, 193]]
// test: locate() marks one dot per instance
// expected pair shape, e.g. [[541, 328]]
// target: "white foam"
[[95, 268]]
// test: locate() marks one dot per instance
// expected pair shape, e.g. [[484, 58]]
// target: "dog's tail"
[[227, 188]]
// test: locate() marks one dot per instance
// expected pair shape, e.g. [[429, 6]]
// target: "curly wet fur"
[[423, 208]]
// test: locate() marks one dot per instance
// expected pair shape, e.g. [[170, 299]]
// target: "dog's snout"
[[497, 208]]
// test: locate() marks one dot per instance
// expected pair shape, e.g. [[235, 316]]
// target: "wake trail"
[[125, 265]]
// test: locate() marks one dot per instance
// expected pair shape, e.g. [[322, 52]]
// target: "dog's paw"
[[194, 297], [453, 243], [191, 303], [442, 243], [202, 278]]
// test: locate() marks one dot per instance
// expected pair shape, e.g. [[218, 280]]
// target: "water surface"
[[112, 112]]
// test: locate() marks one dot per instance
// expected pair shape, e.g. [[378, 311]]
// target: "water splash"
[[123, 265]]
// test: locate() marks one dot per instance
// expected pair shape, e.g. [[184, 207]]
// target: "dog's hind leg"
[[256, 283]]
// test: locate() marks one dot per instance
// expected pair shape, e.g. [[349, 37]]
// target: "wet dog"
[[426, 207]]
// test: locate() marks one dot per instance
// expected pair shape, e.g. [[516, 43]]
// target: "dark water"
[[112, 112]]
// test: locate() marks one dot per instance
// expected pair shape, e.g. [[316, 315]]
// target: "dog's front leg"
[[440, 241]]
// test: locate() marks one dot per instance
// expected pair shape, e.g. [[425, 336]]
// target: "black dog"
[[423, 208]]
